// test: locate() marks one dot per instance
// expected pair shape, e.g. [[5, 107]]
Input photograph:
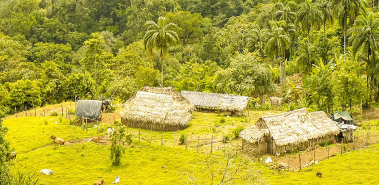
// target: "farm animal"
[[319, 174], [110, 131], [117, 180], [13, 156], [276, 101], [95, 139], [99, 182], [57, 140], [46, 172]]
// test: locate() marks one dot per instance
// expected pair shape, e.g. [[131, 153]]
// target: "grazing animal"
[[13, 156], [99, 182], [46, 172], [276, 101], [319, 174], [57, 140], [110, 131], [95, 139], [117, 180]]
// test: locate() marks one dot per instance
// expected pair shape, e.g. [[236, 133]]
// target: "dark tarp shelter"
[[342, 116], [88, 109]]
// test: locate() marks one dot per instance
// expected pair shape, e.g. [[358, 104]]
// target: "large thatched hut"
[[157, 109], [289, 131], [217, 101]]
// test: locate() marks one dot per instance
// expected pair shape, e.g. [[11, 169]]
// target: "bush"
[[225, 138], [117, 148], [54, 114], [183, 139], [222, 120], [72, 111], [111, 108], [237, 131]]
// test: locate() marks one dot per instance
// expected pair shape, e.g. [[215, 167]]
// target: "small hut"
[[89, 109], [216, 101], [289, 131], [157, 109]]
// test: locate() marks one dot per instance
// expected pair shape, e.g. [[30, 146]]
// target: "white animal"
[[117, 180], [268, 160], [110, 131], [46, 172]]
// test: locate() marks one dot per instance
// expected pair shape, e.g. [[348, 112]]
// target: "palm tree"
[[277, 42], [306, 57], [160, 36], [255, 38], [325, 8], [344, 10], [309, 16], [285, 12], [365, 35]]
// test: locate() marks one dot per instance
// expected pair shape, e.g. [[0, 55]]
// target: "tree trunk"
[[161, 59]]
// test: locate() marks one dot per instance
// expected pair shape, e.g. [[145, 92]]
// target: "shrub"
[[237, 131], [72, 111], [54, 114], [117, 148], [225, 138], [222, 120], [182, 139], [111, 108]]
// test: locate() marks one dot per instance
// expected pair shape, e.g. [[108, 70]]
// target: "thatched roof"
[[225, 102], [293, 127], [158, 105]]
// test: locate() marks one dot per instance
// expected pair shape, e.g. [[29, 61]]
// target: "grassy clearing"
[[358, 167], [29, 133], [88, 162]]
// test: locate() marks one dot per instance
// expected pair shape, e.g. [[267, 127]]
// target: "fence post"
[[341, 146], [314, 156], [367, 139], [353, 142], [259, 150], [15, 110], [236, 149], [300, 161], [44, 112], [62, 109], [198, 144], [26, 113], [162, 140], [328, 151], [212, 144]]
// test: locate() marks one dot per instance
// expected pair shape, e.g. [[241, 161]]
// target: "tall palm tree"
[[160, 36], [255, 38], [344, 10], [285, 12], [365, 35], [277, 42], [309, 16], [307, 57], [325, 8]]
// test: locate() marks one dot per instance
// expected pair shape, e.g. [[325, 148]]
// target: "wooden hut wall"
[[255, 148], [151, 126], [302, 146]]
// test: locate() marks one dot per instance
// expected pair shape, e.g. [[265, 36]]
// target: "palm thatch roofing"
[[225, 102], [292, 128], [158, 105]]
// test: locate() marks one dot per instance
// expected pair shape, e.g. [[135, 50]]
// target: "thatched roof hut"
[[292, 128], [157, 109], [217, 101]]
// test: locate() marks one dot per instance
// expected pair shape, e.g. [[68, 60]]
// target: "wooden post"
[[314, 155], [259, 150], [15, 110], [367, 139], [236, 149], [82, 123], [86, 124], [62, 109], [26, 112], [198, 144], [328, 151], [341, 146], [162, 140], [300, 161], [212, 144]]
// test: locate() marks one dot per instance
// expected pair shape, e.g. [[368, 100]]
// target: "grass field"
[[144, 163]]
